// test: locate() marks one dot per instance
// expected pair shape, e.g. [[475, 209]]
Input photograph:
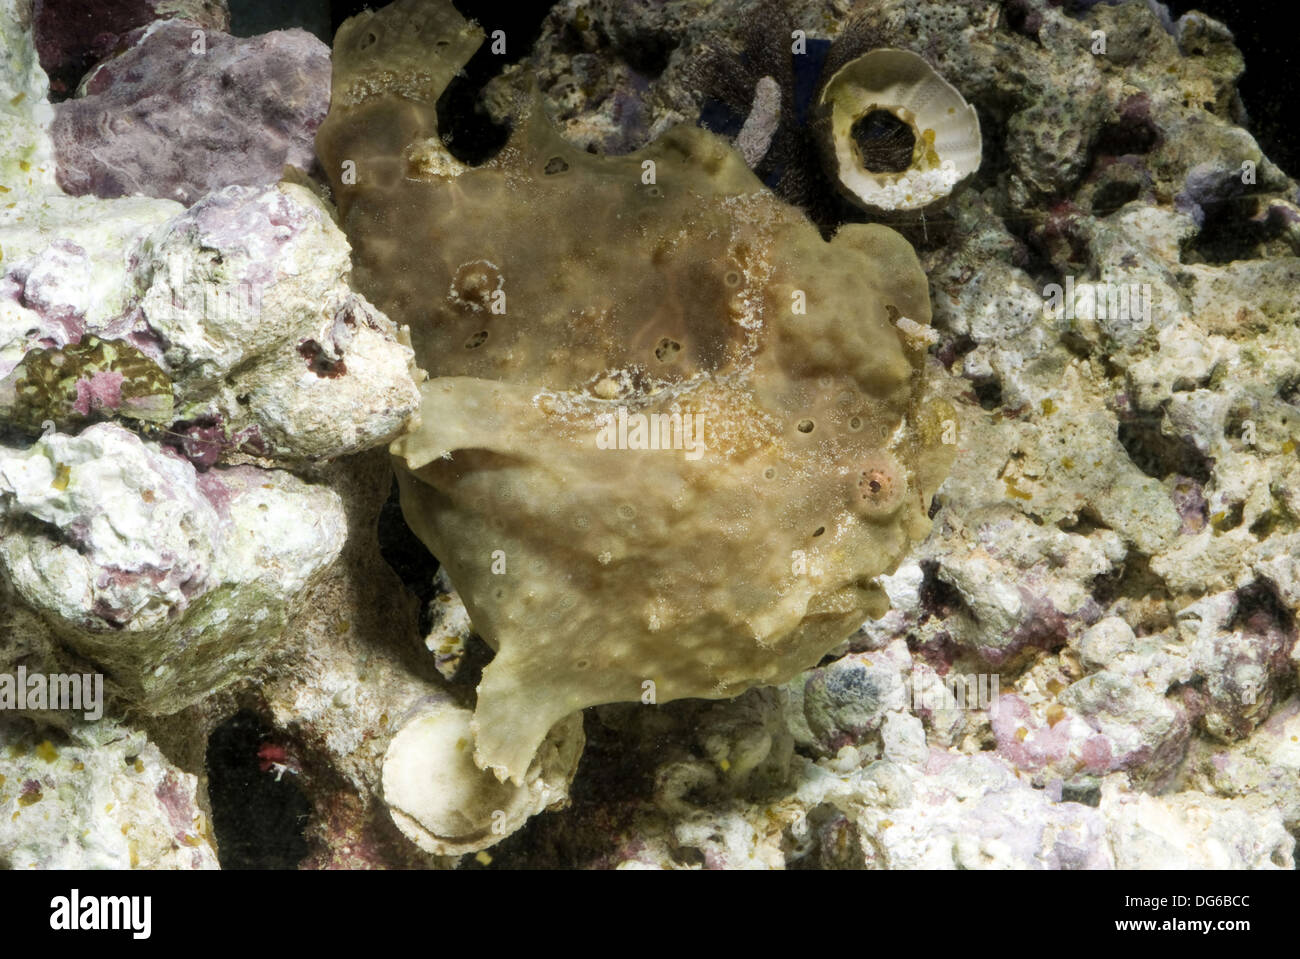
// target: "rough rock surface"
[[97, 796], [27, 160], [65, 268], [245, 299], [243, 303], [206, 110], [156, 547], [173, 581]]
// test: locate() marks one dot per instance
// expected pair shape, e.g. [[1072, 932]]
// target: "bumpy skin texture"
[[595, 570]]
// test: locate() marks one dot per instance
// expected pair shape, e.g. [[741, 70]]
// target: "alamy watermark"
[[82, 692], [955, 691], [1130, 302], [652, 431], [75, 912], [217, 303]]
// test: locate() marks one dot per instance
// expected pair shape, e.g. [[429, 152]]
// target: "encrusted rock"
[[99, 796], [449, 626], [27, 157], [175, 582], [1189, 830], [246, 298], [207, 110], [73, 35], [66, 269], [846, 701], [241, 302], [1265, 765]]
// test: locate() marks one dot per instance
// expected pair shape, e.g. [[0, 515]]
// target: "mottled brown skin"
[[598, 574]]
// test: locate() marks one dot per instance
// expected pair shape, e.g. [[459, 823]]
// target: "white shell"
[[446, 805], [901, 83]]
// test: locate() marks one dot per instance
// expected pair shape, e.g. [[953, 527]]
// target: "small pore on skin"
[[881, 484]]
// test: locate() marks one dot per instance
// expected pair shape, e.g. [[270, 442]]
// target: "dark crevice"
[[1234, 230], [1260, 610], [950, 351], [468, 131], [1228, 519], [646, 51], [989, 393], [826, 839], [937, 597], [1085, 523], [1133, 133], [1133, 579], [1020, 16], [1267, 524], [259, 822], [1160, 456], [408, 557], [1077, 344], [1113, 194], [469, 134], [251, 18]]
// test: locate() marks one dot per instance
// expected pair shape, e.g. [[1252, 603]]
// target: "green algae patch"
[[94, 379]]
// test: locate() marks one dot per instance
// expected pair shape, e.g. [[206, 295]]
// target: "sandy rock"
[[175, 581], [99, 797], [1189, 830]]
